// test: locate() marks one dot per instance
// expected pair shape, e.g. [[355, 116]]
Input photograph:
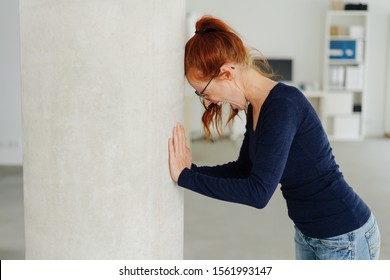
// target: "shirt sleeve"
[[280, 122]]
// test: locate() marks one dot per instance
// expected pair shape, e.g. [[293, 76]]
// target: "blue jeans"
[[360, 244]]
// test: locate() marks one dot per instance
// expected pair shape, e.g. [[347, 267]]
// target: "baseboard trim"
[[11, 156]]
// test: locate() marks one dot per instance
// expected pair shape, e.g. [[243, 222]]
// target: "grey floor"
[[220, 230]]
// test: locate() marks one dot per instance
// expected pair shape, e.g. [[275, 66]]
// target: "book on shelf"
[[346, 49], [349, 77], [354, 77], [336, 77]]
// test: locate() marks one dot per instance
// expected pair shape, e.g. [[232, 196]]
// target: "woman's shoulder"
[[286, 93], [285, 90]]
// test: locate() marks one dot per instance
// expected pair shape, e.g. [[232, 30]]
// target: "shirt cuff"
[[183, 177]]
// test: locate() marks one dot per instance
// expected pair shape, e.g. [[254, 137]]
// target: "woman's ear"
[[227, 72]]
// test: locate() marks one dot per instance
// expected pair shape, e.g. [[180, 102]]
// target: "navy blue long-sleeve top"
[[289, 146]]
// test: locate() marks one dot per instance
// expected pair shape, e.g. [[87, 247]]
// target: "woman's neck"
[[257, 87]]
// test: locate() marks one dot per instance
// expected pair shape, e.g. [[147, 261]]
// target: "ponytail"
[[213, 44]]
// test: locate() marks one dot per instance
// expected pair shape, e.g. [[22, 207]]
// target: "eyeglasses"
[[201, 94]]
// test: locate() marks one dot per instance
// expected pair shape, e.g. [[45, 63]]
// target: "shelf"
[[343, 89], [351, 114], [345, 38], [313, 93], [332, 61], [344, 13], [343, 138]]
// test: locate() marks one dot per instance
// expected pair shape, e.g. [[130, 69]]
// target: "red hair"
[[214, 44]]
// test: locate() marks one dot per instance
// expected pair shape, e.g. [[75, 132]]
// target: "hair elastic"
[[207, 30]]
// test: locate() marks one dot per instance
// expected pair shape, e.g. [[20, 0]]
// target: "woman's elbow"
[[260, 204]]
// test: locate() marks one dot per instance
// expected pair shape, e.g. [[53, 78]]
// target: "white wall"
[[10, 111], [295, 29]]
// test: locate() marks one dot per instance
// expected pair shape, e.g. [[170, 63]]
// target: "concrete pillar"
[[102, 87], [387, 90]]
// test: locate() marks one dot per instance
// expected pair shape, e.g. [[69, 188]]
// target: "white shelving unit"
[[342, 109]]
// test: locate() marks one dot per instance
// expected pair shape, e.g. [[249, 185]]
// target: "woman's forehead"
[[194, 82]]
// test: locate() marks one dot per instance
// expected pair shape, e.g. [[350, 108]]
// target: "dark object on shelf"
[[357, 108], [356, 7]]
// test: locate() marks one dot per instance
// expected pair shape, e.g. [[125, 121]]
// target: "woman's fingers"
[[171, 149], [176, 139], [173, 170], [179, 139], [182, 139], [179, 154]]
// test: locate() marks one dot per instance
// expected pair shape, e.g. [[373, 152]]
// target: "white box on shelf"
[[346, 126], [336, 103], [356, 31]]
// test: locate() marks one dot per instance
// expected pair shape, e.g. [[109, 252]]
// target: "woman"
[[284, 143]]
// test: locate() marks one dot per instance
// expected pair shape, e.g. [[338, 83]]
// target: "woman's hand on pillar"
[[179, 154]]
